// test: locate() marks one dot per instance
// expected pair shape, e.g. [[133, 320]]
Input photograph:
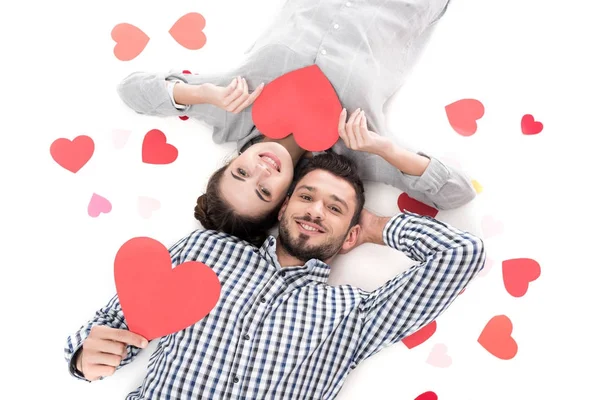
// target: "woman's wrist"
[[186, 94]]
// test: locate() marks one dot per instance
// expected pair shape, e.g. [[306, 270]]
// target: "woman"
[[366, 50]]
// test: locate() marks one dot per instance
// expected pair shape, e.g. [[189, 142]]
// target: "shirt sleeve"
[[448, 259], [110, 315]]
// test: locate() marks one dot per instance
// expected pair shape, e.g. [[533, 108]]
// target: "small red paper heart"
[[420, 336], [303, 103], [72, 155], [407, 203], [156, 298], [156, 150], [427, 396], [463, 115], [530, 126], [187, 31], [130, 39], [517, 273], [496, 338]]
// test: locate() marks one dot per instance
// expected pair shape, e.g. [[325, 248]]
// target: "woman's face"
[[257, 181]]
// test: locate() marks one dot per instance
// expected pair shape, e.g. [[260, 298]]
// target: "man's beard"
[[298, 247]]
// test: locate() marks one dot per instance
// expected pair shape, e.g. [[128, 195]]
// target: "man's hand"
[[233, 98], [371, 229], [104, 349], [357, 136]]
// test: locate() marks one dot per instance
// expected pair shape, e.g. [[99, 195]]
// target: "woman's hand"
[[233, 98], [357, 136]]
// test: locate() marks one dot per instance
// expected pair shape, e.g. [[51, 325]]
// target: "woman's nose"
[[262, 170]]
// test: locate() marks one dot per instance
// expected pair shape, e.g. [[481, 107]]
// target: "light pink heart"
[[147, 205], [120, 137], [491, 226], [98, 205], [486, 267], [439, 356]]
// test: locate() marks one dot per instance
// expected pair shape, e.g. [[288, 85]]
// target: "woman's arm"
[[423, 178]]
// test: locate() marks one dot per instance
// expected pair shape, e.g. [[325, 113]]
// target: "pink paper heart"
[[120, 137], [439, 356], [147, 205], [491, 227], [98, 205]]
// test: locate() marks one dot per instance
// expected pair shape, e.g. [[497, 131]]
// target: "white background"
[[516, 56]]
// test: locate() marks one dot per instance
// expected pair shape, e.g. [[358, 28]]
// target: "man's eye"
[[336, 209], [242, 172], [305, 197], [265, 191]]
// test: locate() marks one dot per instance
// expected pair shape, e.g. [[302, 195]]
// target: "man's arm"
[[107, 327], [448, 259]]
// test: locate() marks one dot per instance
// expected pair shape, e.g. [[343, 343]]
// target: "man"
[[279, 331]]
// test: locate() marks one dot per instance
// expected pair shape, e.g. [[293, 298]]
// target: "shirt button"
[[323, 51], [255, 250], [246, 337], [263, 300], [348, 4], [235, 380], [336, 26], [352, 366]]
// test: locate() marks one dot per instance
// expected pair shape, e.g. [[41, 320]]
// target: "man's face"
[[315, 220]]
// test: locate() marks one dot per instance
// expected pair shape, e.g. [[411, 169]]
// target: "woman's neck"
[[296, 152]]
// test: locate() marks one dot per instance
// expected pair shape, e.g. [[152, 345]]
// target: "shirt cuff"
[[436, 175], [170, 85]]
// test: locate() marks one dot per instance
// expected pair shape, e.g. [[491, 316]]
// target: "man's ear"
[[283, 207], [352, 239]]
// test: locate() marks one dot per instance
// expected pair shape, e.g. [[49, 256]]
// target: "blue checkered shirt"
[[284, 333]]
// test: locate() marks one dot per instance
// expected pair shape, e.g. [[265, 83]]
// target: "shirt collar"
[[312, 270]]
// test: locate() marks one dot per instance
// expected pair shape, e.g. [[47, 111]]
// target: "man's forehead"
[[321, 180]]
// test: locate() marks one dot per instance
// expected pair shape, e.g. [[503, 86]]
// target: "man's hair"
[[340, 166]]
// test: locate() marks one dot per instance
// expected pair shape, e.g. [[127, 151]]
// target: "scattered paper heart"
[[496, 338], [187, 31], [491, 226], [463, 115], [98, 205], [427, 396], [439, 356], [407, 203], [420, 336], [156, 150], [120, 137], [517, 273], [72, 155], [130, 39], [529, 126], [147, 205]]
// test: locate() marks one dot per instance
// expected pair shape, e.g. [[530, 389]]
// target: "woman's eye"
[[266, 191], [241, 172]]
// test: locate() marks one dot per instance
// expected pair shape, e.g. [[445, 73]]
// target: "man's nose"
[[315, 210]]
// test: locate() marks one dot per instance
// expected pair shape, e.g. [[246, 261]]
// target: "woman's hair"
[[214, 212]]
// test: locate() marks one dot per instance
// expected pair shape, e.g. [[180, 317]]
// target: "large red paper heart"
[[463, 115], [72, 155], [407, 203], [496, 338], [530, 126], [303, 103], [130, 39], [427, 396], [420, 336], [517, 273], [156, 298], [156, 150]]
